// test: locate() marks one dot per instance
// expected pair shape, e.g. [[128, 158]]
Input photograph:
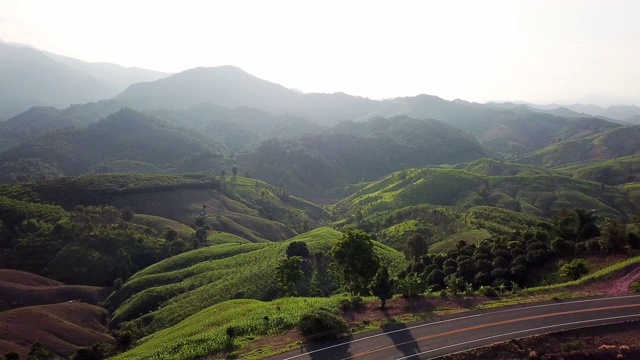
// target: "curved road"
[[449, 334]]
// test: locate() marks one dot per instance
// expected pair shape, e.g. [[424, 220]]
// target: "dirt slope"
[[61, 328], [19, 288]]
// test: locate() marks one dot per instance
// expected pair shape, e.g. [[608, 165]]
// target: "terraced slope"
[[438, 202], [175, 289]]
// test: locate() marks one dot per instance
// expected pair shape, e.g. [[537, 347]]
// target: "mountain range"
[[106, 118]]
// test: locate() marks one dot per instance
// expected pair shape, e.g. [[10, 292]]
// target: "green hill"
[[125, 135], [613, 172], [101, 246], [157, 300], [442, 202], [610, 144]]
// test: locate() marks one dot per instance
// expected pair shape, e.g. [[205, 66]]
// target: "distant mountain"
[[616, 112], [226, 86], [125, 135], [114, 76], [357, 151], [512, 129], [29, 77], [240, 127], [231, 87]]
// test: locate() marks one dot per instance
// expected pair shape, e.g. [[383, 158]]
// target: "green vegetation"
[[205, 332], [202, 263], [157, 299]]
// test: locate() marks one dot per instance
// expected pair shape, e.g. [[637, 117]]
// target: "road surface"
[[450, 334]]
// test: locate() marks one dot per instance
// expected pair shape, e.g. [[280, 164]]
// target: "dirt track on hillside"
[[622, 285]]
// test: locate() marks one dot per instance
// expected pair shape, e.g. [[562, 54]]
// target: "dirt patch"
[[621, 286], [19, 289], [61, 328], [618, 284], [26, 278]]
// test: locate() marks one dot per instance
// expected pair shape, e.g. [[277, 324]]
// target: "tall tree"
[[355, 260], [234, 171], [415, 247], [288, 274], [382, 286], [298, 248]]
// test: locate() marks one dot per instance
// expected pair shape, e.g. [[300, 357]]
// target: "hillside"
[[61, 317], [610, 144], [163, 297], [60, 328], [125, 135], [352, 152], [442, 202], [240, 127], [613, 172], [20, 289]]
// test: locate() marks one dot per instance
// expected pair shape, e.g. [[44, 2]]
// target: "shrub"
[[321, 324], [571, 346], [487, 291], [351, 303], [11, 355], [575, 269]]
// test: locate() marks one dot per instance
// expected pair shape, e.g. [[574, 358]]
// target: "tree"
[[11, 355], [381, 286], [415, 247], [320, 324], [288, 273], [234, 171], [38, 352], [170, 235], [410, 285], [127, 214], [355, 260], [575, 269], [298, 248], [613, 236]]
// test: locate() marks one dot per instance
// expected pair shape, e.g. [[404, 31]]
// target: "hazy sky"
[[531, 50]]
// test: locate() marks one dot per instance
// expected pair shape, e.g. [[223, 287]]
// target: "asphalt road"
[[439, 336]]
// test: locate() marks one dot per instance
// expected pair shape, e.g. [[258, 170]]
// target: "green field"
[[172, 290]]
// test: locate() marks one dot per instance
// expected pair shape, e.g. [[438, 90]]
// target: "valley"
[[207, 213]]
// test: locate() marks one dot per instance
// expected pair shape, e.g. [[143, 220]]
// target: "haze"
[[536, 51]]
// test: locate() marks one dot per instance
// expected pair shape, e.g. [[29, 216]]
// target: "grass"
[[592, 276], [450, 242], [160, 224], [204, 333], [158, 299], [218, 237]]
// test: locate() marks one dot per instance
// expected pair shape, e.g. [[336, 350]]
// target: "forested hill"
[[126, 135], [353, 152]]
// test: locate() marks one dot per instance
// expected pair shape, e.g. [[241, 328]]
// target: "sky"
[[518, 50]]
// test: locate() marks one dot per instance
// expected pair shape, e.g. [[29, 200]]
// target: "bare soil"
[[61, 328], [61, 317], [19, 288]]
